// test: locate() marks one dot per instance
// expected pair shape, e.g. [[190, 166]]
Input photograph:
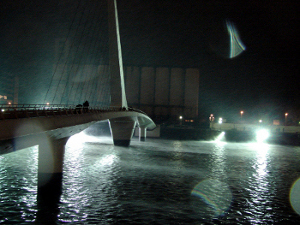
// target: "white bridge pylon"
[[117, 81], [122, 128], [50, 127]]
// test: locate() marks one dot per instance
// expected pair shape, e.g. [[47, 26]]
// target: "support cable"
[[97, 52], [77, 89], [76, 53], [92, 49], [60, 56], [68, 55], [104, 92]]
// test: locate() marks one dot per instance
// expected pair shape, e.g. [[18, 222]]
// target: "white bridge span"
[[63, 121], [50, 126]]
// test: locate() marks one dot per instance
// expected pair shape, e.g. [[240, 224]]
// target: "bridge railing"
[[16, 111], [10, 107]]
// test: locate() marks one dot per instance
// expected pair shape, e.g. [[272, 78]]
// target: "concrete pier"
[[142, 133], [50, 174], [122, 130], [50, 167]]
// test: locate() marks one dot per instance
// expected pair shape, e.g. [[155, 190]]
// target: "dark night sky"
[[178, 34]]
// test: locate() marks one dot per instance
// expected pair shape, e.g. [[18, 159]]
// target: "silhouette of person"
[[86, 105]]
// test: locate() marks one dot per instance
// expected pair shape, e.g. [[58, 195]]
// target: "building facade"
[[163, 92]]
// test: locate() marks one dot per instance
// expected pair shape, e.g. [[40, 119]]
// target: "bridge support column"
[[122, 130], [50, 166], [142, 133]]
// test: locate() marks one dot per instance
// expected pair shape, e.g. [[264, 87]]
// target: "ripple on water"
[[161, 182]]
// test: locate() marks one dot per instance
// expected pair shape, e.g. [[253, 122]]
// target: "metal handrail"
[[34, 106], [13, 110]]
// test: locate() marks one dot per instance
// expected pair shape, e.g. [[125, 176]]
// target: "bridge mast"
[[117, 83]]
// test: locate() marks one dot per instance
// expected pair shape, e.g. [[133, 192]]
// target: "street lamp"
[[220, 120], [180, 118], [211, 118], [285, 115], [242, 112]]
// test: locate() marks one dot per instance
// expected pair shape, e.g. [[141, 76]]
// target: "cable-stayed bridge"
[[63, 121], [50, 125]]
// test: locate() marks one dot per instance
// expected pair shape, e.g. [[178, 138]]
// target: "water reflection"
[[218, 160], [260, 194], [177, 157], [73, 184], [158, 182], [84, 164], [18, 174]]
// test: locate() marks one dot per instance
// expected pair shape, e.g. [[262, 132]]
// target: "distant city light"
[[48, 103], [211, 117], [220, 120], [2, 110], [242, 112], [180, 117]]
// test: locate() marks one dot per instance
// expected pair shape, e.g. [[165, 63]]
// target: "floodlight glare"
[[262, 135]]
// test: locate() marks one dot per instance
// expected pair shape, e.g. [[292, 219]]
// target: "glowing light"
[[2, 110], [48, 103], [295, 196], [220, 137], [215, 194], [77, 140], [260, 121], [236, 45], [180, 117], [220, 120], [262, 135]]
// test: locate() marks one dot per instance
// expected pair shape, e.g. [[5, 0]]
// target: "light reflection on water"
[[260, 190], [160, 181], [18, 185]]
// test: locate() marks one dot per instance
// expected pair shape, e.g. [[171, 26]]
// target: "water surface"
[[158, 182]]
